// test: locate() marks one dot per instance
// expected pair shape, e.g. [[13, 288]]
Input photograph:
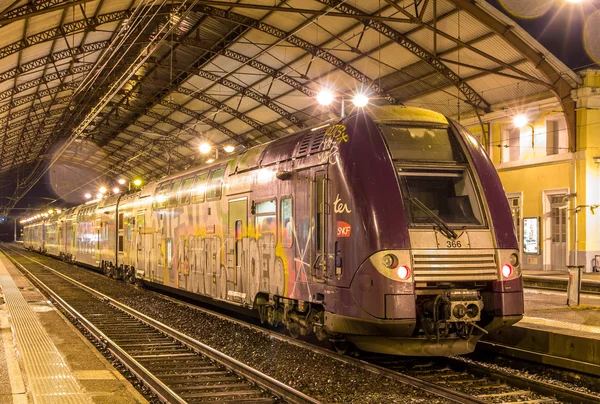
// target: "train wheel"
[[294, 330], [341, 346], [130, 275]]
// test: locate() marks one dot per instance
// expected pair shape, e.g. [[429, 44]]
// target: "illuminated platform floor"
[[559, 333], [43, 358]]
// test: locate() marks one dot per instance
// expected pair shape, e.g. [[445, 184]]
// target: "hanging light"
[[87, 195], [137, 182], [205, 148], [229, 148], [210, 161], [116, 190], [325, 97], [360, 100], [102, 190], [122, 181], [520, 120]]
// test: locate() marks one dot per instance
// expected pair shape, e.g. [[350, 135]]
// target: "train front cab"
[[450, 272]]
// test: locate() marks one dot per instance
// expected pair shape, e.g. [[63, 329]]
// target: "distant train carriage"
[[388, 230]]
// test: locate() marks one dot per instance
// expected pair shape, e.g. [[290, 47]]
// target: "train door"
[[237, 251], [212, 273], [301, 232], [140, 244], [98, 231], [321, 267]]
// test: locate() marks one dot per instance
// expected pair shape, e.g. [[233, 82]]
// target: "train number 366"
[[453, 244]]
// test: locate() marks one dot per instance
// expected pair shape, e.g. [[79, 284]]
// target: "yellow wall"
[[532, 181]]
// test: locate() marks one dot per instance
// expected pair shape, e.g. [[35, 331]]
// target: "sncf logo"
[[343, 229]]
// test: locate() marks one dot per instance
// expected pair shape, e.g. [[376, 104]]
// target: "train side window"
[[287, 238], [266, 218], [160, 198], [120, 243], [199, 188], [172, 201], [215, 184], [120, 221], [184, 192]]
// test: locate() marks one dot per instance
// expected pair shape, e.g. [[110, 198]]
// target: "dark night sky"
[[560, 29]]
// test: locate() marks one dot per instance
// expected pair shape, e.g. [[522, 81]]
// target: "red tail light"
[[404, 272], [507, 270]]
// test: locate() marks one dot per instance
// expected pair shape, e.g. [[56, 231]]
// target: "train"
[[387, 230]]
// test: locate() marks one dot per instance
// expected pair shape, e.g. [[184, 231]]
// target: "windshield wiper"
[[443, 227]]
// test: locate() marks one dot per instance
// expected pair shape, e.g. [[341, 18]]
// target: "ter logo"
[[343, 229]]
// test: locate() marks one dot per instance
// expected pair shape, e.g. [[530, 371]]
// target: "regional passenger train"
[[388, 230]]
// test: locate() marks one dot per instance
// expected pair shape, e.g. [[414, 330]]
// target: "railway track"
[[174, 367], [457, 379]]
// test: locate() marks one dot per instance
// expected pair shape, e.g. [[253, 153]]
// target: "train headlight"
[[404, 272], [390, 261], [514, 260], [507, 270]]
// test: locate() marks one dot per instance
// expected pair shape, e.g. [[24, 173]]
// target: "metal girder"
[[472, 96], [560, 86], [226, 108], [44, 80], [65, 29], [54, 57], [315, 50], [36, 8], [24, 100], [233, 35], [250, 93]]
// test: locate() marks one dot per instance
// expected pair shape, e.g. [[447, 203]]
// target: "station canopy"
[[132, 88]]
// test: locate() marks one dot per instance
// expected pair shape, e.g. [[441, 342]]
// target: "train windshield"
[[434, 178], [446, 194], [415, 143]]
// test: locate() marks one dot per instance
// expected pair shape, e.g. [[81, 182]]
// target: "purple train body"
[[388, 230]]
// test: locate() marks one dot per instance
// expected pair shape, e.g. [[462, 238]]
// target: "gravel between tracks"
[[324, 378]]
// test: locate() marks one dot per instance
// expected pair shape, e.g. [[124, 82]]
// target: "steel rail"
[[510, 379], [539, 386], [266, 382], [424, 385]]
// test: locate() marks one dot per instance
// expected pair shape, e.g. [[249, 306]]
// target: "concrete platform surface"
[[43, 358], [555, 330]]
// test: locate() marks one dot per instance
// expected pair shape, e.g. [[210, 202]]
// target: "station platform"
[[560, 335], [43, 358]]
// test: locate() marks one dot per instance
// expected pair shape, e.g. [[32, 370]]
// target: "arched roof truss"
[[133, 87]]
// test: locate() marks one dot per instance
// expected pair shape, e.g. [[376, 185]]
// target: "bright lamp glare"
[[520, 121], [325, 97], [116, 190], [87, 195], [360, 100], [574, 1], [210, 161], [229, 148], [102, 190], [98, 195], [204, 148], [137, 182], [121, 181]]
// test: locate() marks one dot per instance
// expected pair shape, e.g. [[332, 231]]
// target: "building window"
[[511, 144], [556, 135]]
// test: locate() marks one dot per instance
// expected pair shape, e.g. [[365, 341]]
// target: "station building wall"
[[545, 180]]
